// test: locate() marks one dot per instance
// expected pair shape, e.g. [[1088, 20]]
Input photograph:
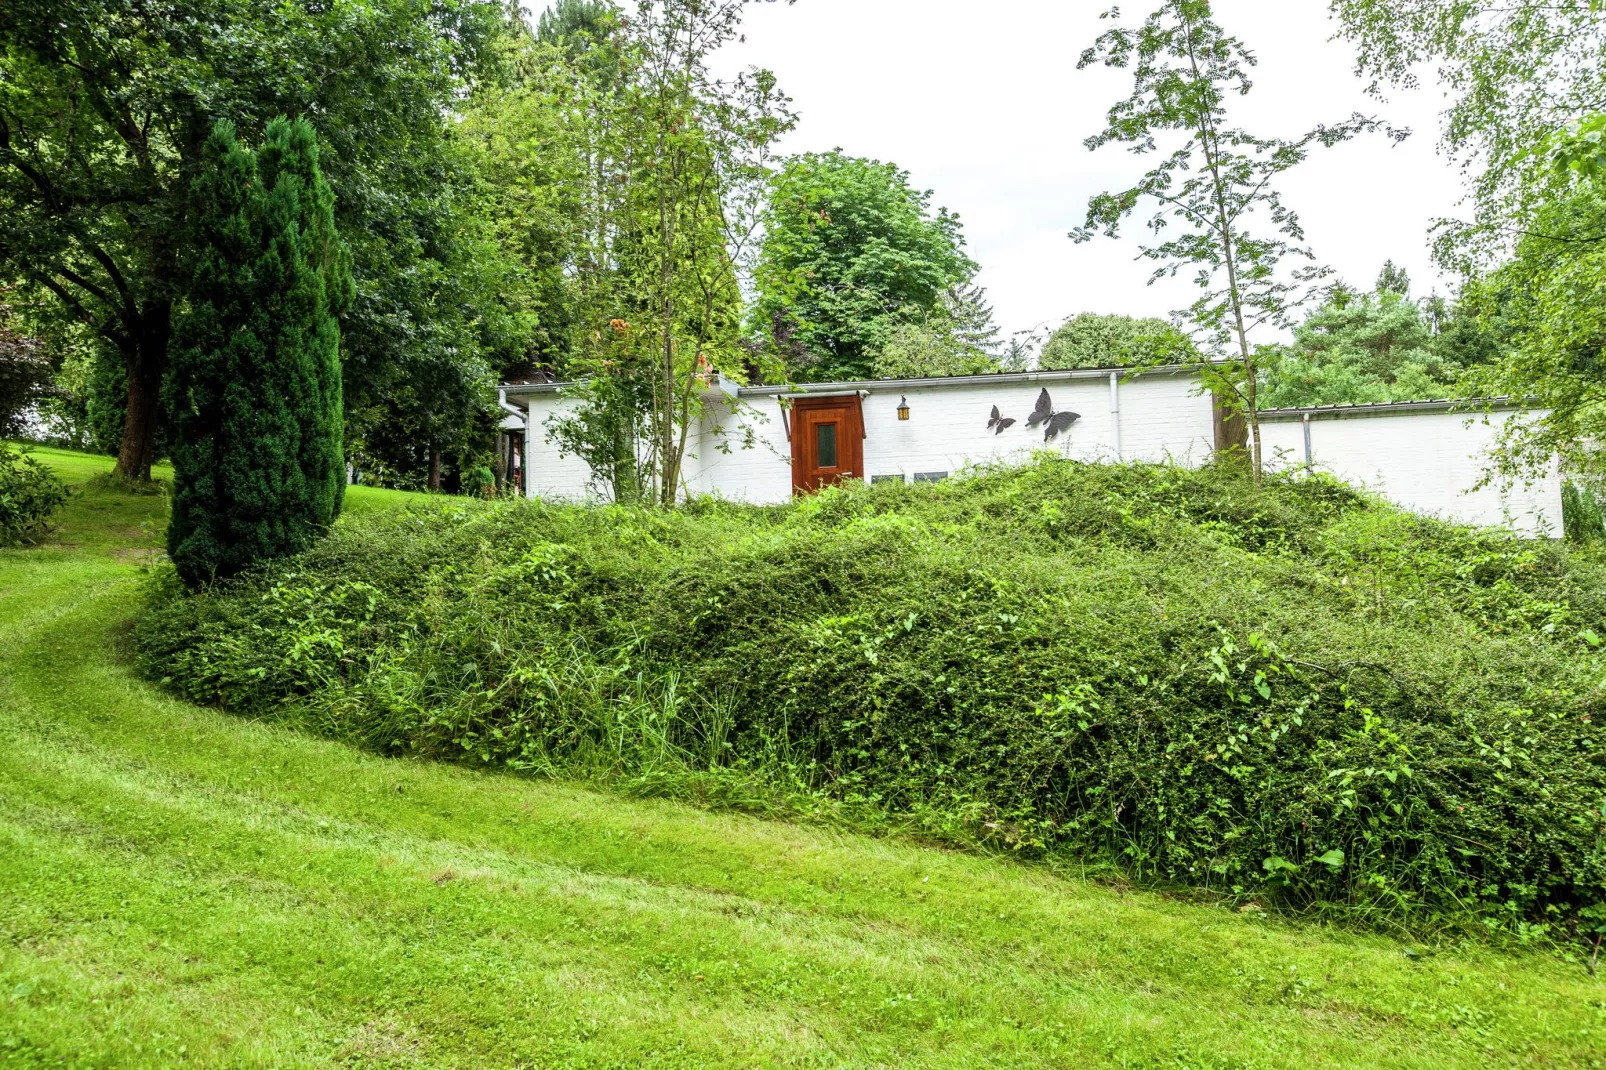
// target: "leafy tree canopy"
[[1091, 340], [957, 338], [1217, 210], [1549, 305], [1526, 86], [24, 372], [1393, 280], [105, 106], [1517, 72], [851, 252], [1372, 347]]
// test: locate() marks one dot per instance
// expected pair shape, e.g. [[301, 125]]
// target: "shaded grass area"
[[106, 514], [181, 887]]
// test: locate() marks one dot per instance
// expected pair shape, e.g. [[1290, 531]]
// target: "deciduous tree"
[[1091, 340], [851, 252], [1216, 189], [1516, 72], [105, 106]]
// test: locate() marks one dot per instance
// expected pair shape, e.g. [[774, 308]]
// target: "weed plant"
[[1297, 694], [30, 494]]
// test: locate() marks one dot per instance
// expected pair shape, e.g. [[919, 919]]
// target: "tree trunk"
[[434, 469], [141, 423]]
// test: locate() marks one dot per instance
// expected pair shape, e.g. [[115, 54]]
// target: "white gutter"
[[794, 395], [514, 410]]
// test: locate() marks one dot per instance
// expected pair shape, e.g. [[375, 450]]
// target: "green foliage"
[[1215, 197], [1295, 694], [1377, 347], [608, 430], [1091, 340], [1580, 147], [258, 468], [501, 922], [105, 106], [1518, 76], [1548, 307], [851, 252], [25, 373], [577, 24], [1392, 279], [30, 494], [1581, 517], [957, 338], [624, 180], [530, 141]]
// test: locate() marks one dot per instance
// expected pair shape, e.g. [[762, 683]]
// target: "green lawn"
[[179, 887]]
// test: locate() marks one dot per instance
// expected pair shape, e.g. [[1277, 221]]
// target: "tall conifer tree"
[[255, 381]]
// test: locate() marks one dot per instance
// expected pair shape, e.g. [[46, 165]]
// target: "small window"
[[825, 445], [896, 477], [930, 477]]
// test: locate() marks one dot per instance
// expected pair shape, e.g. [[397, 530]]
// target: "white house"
[[762, 444], [1425, 455]]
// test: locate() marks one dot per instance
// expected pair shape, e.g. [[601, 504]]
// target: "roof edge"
[[1470, 406], [937, 381]]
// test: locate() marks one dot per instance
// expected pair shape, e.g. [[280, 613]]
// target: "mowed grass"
[[180, 887]]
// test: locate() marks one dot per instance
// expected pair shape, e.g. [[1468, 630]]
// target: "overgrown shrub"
[[1297, 694], [30, 494], [1581, 517]]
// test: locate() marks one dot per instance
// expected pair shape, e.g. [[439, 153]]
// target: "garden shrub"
[[30, 494], [1297, 693], [1581, 517]]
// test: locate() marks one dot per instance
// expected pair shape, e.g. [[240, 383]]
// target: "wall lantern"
[[903, 408]]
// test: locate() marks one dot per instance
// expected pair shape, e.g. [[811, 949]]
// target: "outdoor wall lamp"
[[903, 408]]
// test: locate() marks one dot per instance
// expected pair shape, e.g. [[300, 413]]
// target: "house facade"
[[763, 444]]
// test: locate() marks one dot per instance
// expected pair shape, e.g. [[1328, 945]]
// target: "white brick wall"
[[548, 472], [722, 461], [947, 430], [1424, 460]]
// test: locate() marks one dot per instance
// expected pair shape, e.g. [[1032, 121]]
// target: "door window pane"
[[825, 445]]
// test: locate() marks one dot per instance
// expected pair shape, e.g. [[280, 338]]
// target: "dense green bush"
[[1581, 517], [30, 494], [1297, 694], [255, 384]]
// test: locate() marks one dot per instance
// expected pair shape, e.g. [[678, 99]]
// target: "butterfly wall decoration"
[[997, 422], [1053, 422]]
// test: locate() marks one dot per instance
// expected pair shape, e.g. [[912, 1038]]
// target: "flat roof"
[[1356, 409], [852, 386]]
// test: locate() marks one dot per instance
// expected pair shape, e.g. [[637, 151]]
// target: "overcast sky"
[[982, 104]]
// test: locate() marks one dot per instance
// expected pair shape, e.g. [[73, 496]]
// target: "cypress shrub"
[[259, 469]]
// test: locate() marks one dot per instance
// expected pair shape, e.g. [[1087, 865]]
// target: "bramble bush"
[[30, 494], [1298, 694]]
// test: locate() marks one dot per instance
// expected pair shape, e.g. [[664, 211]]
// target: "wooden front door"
[[827, 442]]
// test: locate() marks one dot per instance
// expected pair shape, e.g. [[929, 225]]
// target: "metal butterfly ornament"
[[1053, 422], [998, 422]]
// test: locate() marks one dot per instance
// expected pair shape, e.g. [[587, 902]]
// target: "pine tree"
[[255, 387]]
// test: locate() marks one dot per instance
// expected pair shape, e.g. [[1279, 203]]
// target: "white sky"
[[982, 104]]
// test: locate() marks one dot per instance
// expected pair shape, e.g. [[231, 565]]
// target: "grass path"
[[178, 887]]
